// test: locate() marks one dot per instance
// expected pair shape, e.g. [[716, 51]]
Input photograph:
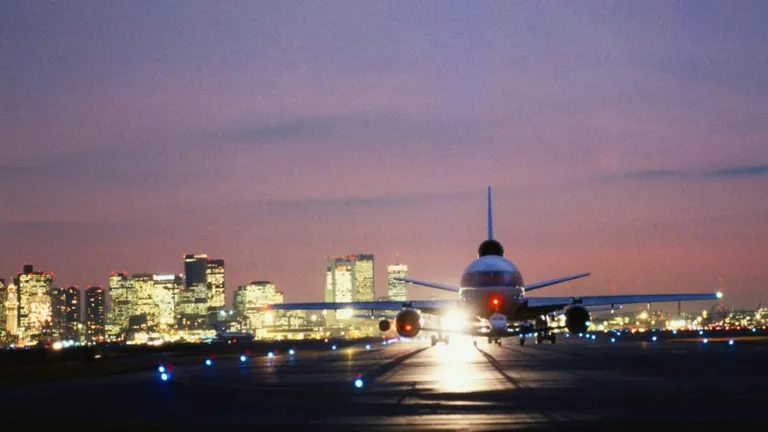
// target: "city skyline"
[[626, 140]]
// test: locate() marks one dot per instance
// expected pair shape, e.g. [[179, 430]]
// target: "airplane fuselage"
[[492, 285]]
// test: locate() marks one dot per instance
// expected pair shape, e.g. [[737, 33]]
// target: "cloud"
[[744, 171]]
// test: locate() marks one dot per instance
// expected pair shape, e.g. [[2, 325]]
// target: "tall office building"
[[350, 278], [3, 299], [214, 274], [195, 267], [94, 314], [397, 290], [249, 302], [166, 289], [35, 286], [12, 310], [144, 311], [122, 295], [66, 311]]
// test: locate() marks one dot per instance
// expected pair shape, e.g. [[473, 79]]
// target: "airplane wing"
[[545, 283], [561, 302], [427, 306], [440, 286]]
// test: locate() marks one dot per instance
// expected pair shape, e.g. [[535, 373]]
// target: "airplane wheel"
[[539, 338], [434, 340], [522, 341], [552, 338], [498, 342]]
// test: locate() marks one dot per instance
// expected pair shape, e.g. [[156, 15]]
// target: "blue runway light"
[[581, 335], [653, 339], [164, 376], [333, 347], [243, 358], [704, 341], [161, 369], [359, 383], [383, 342], [208, 362], [754, 329], [594, 337], [613, 340], [367, 347], [291, 351], [701, 332], [270, 354], [730, 342], [674, 332]]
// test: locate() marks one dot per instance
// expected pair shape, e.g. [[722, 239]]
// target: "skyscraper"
[[214, 274], [66, 311], [195, 266], [35, 286], [166, 288], [122, 295], [12, 310], [3, 299], [94, 313], [397, 290], [349, 278], [249, 302], [144, 311]]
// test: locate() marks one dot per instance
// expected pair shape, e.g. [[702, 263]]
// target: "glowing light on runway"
[[730, 342], [701, 332], [208, 362], [674, 332], [653, 339], [359, 383], [161, 368], [454, 320], [164, 376], [367, 347], [754, 330], [270, 354], [333, 347], [243, 358], [291, 351], [705, 341], [613, 340], [594, 337]]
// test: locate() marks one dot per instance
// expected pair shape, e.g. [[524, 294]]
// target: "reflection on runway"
[[412, 384]]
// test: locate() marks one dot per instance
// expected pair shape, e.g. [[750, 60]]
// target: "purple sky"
[[626, 139]]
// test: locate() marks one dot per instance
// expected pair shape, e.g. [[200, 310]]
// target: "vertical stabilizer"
[[490, 215]]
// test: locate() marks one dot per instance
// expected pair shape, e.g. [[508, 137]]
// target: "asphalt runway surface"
[[411, 385]]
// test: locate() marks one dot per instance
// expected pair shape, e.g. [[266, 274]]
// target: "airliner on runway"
[[492, 294]]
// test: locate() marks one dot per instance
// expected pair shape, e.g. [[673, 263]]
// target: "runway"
[[409, 385]]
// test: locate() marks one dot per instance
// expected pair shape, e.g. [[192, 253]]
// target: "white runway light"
[[164, 376], [208, 362], [161, 369], [359, 383], [367, 347], [270, 354], [243, 358], [291, 351]]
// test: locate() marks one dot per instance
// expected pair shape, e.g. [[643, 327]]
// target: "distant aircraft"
[[233, 337], [492, 295]]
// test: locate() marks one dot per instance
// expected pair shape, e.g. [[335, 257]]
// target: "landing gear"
[[522, 340], [552, 338], [445, 339], [539, 338]]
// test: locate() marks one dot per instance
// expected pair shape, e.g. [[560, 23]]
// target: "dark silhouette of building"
[[94, 314]]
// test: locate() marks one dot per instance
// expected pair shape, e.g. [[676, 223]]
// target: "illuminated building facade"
[[94, 314], [397, 290], [348, 279], [12, 310], [122, 295], [195, 267], [144, 311], [3, 299], [66, 311], [166, 291], [214, 274], [35, 286], [249, 304]]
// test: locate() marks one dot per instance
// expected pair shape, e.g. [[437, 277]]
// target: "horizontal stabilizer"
[[561, 302], [545, 283], [440, 286]]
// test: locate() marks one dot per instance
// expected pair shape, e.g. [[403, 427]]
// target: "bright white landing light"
[[359, 383]]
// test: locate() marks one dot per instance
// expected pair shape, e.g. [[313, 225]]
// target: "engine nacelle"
[[385, 325], [576, 319], [408, 323]]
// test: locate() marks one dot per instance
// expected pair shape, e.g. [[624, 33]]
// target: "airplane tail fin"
[[490, 215]]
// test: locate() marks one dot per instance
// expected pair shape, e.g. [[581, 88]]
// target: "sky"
[[629, 139]]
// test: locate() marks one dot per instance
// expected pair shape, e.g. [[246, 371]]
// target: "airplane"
[[492, 293], [231, 337]]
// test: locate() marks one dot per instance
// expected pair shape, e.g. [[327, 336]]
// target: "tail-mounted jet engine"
[[408, 323], [576, 319], [385, 325]]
